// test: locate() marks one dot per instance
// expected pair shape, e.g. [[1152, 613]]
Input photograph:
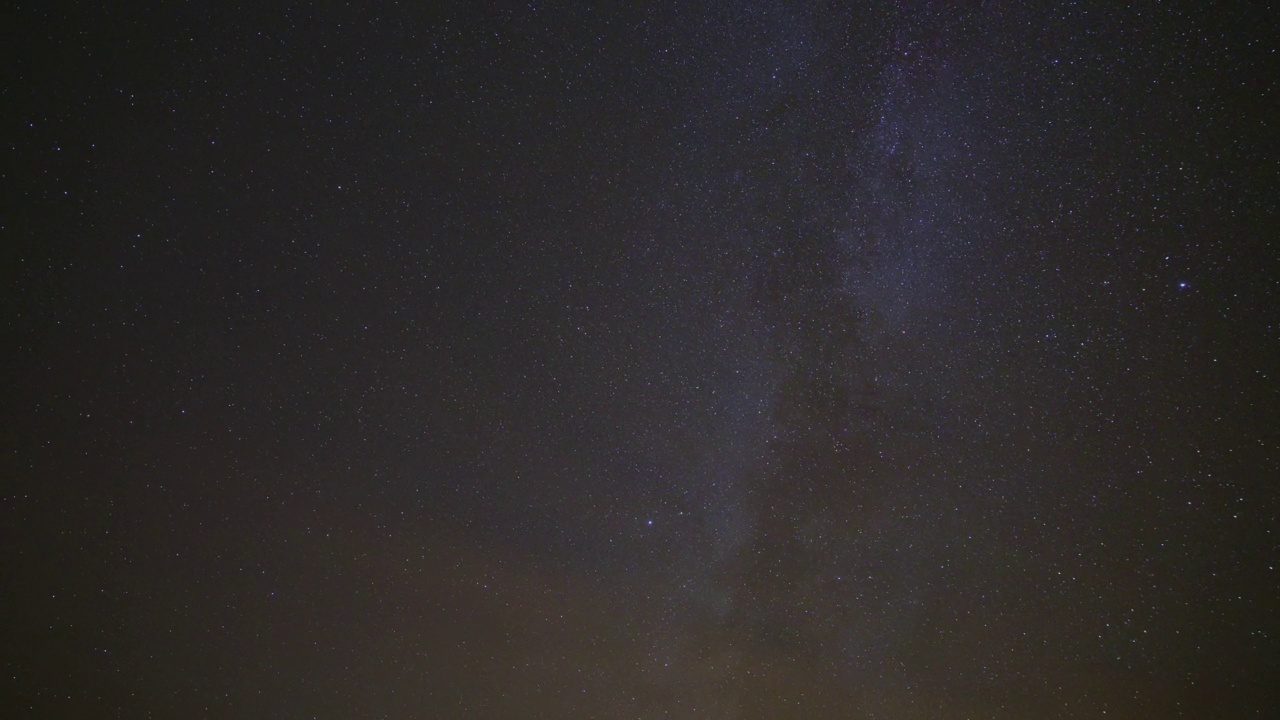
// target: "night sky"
[[721, 360]]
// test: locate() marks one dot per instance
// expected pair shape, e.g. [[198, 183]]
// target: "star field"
[[663, 360]]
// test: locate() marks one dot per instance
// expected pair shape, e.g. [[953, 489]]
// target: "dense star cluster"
[[718, 360]]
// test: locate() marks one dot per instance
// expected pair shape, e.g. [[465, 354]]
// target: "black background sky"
[[641, 360]]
